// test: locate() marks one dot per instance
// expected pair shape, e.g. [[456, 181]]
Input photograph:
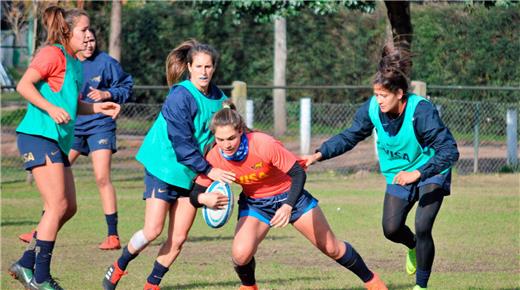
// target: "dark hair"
[[179, 58], [228, 116], [59, 24], [93, 31], [394, 68]]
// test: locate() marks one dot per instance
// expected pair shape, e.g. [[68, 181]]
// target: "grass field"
[[477, 236]]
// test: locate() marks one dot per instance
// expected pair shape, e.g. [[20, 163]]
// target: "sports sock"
[[42, 265], [157, 273], [29, 256], [112, 223], [246, 273], [125, 258], [422, 277], [353, 261]]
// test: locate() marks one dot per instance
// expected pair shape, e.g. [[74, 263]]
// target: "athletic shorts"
[[154, 187], [85, 144], [33, 150], [416, 190], [265, 208]]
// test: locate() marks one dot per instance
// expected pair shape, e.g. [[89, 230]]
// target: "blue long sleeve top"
[[428, 127], [102, 72], [179, 111]]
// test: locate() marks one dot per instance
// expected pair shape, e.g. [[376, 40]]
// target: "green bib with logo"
[[38, 122], [401, 152], [157, 154]]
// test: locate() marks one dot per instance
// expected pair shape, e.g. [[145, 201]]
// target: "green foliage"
[[453, 45], [266, 11]]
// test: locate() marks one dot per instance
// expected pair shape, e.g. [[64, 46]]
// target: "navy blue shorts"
[[85, 144], [416, 190], [33, 150], [265, 208], [162, 190]]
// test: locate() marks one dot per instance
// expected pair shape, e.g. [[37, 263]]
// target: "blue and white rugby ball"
[[216, 218]]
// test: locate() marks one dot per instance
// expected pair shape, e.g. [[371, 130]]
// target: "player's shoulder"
[[257, 136]]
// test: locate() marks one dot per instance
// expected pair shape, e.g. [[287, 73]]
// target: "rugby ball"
[[216, 218]]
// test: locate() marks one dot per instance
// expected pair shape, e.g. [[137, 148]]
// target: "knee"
[[422, 230], [241, 256], [390, 231], [177, 242], [103, 180], [330, 248], [63, 209], [152, 232]]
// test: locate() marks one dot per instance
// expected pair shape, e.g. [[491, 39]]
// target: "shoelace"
[[55, 284]]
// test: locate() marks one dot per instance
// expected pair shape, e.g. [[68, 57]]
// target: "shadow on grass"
[[18, 223], [236, 283]]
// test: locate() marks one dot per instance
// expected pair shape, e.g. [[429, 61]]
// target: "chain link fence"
[[479, 128]]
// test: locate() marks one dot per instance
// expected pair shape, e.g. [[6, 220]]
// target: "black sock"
[[112, 223], [42, 265], [157, 273], [353, 261], [246, 273], [29, 256], [422, 277], [125, 258]]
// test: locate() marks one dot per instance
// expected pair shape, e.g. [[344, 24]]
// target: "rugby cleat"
[[244, 287], [22, 274], [110, 243], [411, 262], [112, 276], [27, 237], [50, 284], [375, 283], [149, 286], [417, 287]]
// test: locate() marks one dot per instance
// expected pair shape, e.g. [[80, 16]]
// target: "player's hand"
[[404, 178], [98, 95], [281, 217], [221, 175], [107, 108], [214, 200], [311, 159], [59, 115]]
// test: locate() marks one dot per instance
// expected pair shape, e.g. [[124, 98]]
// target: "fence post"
[[476, 132], [512, 137], [239, 96], [305, 126], [250, 113], [419, 88]]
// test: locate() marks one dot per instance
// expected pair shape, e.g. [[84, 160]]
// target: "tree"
[[114, 43], [277, 11], [16, 13], [399, 16]]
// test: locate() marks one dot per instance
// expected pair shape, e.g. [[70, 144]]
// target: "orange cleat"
[[243, 287], [112, 276], [110, 243], [149, 286], [376, 283], [27, 237]]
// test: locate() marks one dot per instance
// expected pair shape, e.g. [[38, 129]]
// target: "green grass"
[[477, 238]]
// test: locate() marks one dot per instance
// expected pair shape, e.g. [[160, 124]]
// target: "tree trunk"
[[114, 48], [399, 16], [280, 61]]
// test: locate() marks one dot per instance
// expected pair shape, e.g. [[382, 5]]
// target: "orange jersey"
[[264, 170], [50, 62]]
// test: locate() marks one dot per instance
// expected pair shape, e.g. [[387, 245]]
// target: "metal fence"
[[480, 129]]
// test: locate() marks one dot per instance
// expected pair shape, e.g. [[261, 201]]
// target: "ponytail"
[[59, 24], [179, 58], [394, 69], [228, 116]]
